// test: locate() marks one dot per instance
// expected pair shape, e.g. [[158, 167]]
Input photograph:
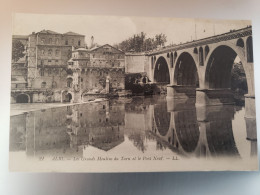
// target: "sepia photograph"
[[131, 94]]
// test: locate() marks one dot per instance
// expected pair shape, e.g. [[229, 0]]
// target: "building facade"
[[58, 68], [96, 72], [47, 54]]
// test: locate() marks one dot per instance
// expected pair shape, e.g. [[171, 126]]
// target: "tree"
[[140, 43], [160, 39], [17, 50]]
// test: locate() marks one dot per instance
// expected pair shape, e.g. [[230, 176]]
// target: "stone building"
[[47, 54], [95, 72]]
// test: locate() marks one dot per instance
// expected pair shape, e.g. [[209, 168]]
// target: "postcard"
[[131, 94]]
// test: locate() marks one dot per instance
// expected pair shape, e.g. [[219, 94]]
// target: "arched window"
[[50, 52], [42, 72], [201, 61], [54, 84], [175, 56], [171, 59], [206, 51], [69, 82], [78, 43], [240, 43], [195, 50], [43, 85], [249, 49], [57, 52]]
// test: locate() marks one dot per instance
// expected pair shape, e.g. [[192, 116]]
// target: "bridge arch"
[[185, 72], [219, 67], [23, 98], [161, 71]]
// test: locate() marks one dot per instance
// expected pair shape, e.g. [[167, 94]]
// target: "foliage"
[[140, 42], [17, 50], [238, 79]]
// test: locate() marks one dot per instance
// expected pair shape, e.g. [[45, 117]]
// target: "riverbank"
[[16, 109]]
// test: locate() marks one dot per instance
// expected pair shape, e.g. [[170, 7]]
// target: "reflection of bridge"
[[202, 131], [202, 68]]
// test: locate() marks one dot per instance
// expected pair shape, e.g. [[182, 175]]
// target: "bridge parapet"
[[205, 41]]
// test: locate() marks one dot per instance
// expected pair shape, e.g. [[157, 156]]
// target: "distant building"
[[58, 68], [47, 54], [100, 70]]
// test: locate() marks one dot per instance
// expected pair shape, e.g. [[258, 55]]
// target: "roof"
[[80, 49], [72, 33], [18, 79], [95, 48], [48, 32], [21, 60], [20, 36]]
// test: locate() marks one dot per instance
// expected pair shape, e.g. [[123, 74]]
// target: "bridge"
[[202, 68]]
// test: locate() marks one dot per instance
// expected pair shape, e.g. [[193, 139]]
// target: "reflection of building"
[[99, 124], [40, 133]]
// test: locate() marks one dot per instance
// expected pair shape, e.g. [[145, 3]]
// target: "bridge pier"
[[250, 117], [181, 91], [213, 97]]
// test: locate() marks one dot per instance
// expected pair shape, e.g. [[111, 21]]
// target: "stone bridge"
[[202, 68]]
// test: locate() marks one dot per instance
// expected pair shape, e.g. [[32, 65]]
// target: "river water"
[[133, 134]]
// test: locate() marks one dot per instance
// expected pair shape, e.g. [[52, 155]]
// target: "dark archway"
[[161, 71], [219, 67], [240, 43], [69, 97], [22, 98], [186, 71], [249, 49], [201, 57], [206, 51]]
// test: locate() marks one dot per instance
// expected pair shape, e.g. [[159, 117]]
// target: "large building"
[[95, 72], [58, 68]]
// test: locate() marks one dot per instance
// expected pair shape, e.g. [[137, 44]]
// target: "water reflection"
[[126, 126]]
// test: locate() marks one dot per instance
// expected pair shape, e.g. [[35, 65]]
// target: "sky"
[[114, 29]]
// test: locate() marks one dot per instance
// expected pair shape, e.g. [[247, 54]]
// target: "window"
[[50, 40], [49, 60], [50, 51], [57, 52], [78, 43], [43, 85], [57, 41], [54, 84], [81, 79], [66, 42], [56, 60], [42, 72], [72, 41], [42, 41]]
